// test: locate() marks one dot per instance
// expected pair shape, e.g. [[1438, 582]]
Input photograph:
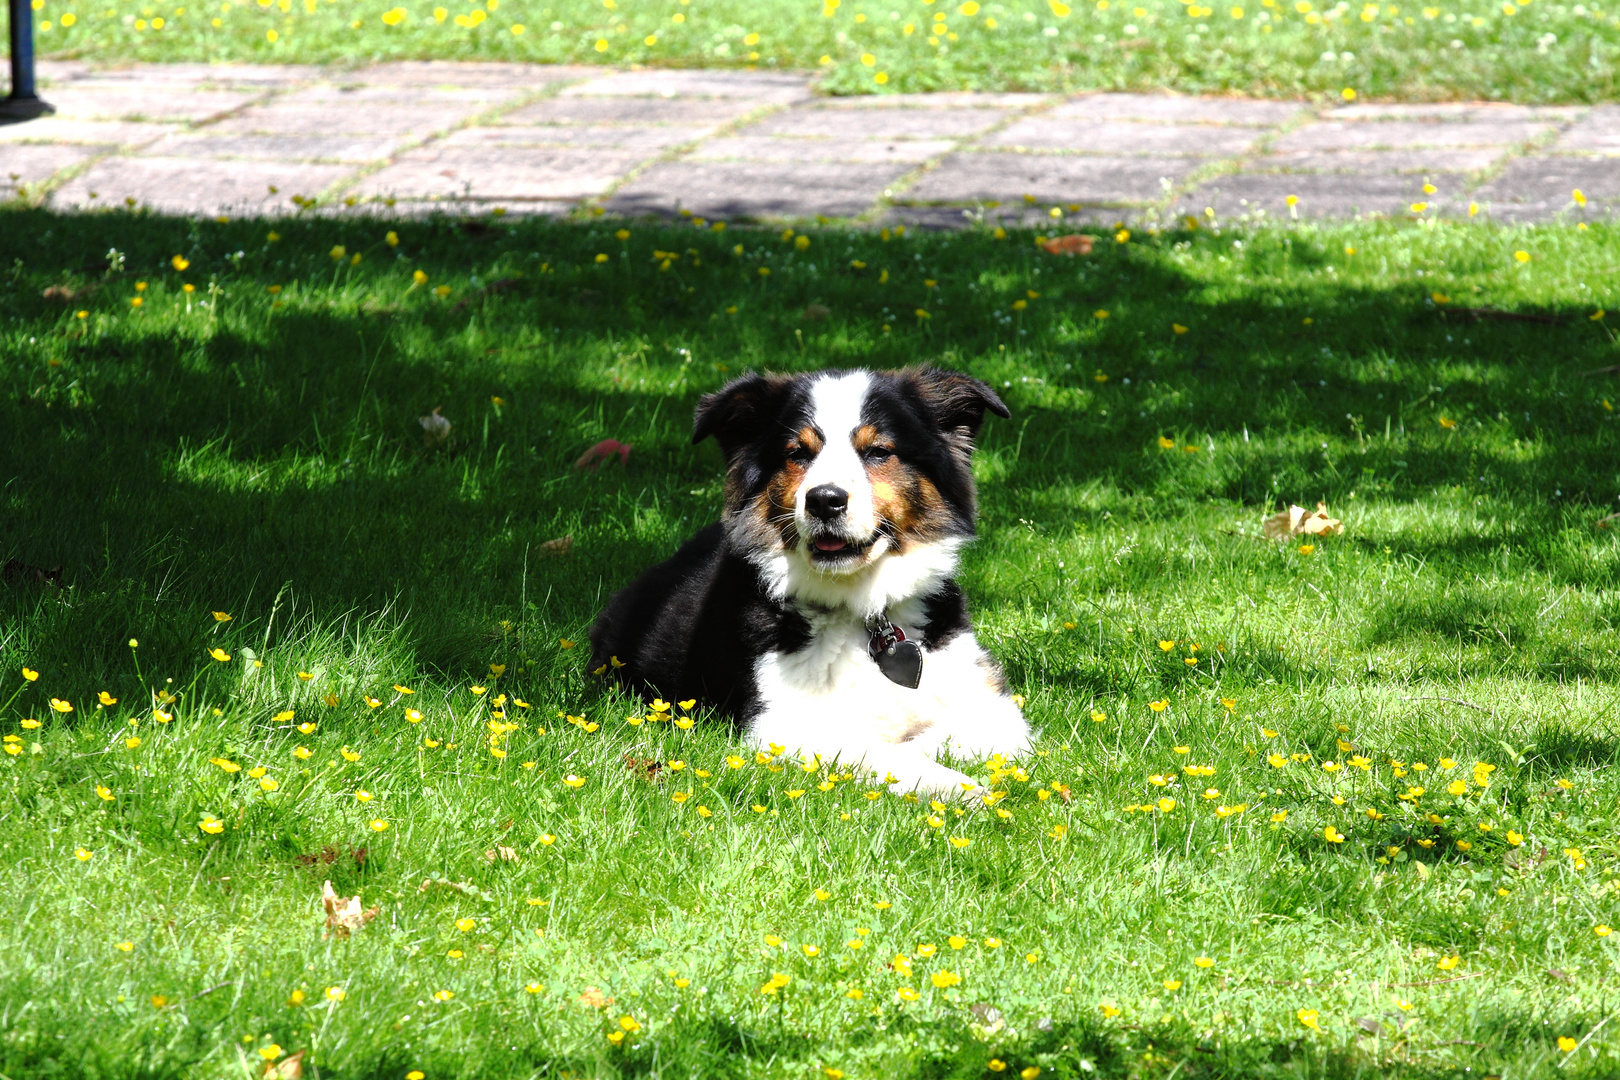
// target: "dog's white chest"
[[833, 683], [834, 660]]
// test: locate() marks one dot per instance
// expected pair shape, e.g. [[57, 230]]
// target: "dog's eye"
[[800, 454], [878, 453]]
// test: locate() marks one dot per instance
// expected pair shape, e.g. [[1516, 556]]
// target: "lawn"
[[1315, 809], [1544, 51]]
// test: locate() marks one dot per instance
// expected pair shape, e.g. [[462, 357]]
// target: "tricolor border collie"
[[821, 612]]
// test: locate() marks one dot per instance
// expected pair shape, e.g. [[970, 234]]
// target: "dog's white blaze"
[[835, 409]]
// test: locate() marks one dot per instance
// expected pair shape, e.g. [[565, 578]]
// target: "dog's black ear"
[[956, 402], [737, 412]]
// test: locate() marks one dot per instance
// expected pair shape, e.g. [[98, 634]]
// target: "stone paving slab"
[[756, 189], [1122, 137], [628, 111], [259, 76], [1537, 189], [494, 174], [1596, 133], [363, 111], [36, 164], [63, 130], [1166, 108], [758, 87], [764, 148], [1420, 162], [54, 72], [447, 74], [168, 102], [950, 99], [195, 186], [1393, 134], [1457, 111], [893, 123], [992, 177], [212, 143], [406, 138], [650, 139]]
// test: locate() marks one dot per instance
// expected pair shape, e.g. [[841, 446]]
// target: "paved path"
[[410, 138]]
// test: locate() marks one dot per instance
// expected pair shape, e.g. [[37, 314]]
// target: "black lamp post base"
[[14, 110]]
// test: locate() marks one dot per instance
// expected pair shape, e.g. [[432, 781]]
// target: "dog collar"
[[900, 660]]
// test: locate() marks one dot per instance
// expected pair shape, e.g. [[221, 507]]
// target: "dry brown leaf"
[[66, 294], [1298, 521], [604, 451], [646, 768], [344, 915], [290, 1067], [501, 853], [559, 546], [1073, 244], [594, 998], [329, 855]]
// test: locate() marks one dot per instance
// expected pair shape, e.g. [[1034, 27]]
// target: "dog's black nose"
[[826, 501]]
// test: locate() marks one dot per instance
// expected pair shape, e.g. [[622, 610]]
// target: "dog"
[[821, 613]]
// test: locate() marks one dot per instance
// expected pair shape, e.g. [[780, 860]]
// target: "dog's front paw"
[[937, 781]]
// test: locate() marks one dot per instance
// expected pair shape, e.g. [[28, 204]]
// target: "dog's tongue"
[[830, 543]]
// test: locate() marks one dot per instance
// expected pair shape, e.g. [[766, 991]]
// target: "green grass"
[[1540, 52], [259, 454]]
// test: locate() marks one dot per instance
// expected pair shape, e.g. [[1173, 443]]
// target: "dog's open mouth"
[[829, 549]]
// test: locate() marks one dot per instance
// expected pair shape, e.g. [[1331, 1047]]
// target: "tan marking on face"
[[864, 436], [774, 506], [907, 500]]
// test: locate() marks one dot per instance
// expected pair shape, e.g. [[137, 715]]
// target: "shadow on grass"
[[176, 464]]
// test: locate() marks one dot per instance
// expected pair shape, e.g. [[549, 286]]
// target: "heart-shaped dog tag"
[[902, 663]]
